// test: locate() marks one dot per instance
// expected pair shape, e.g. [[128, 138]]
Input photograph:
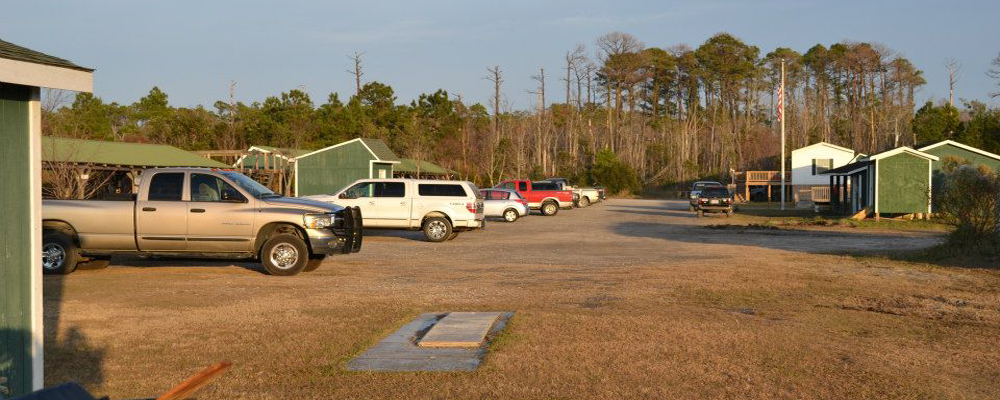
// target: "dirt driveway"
[[627, 299]]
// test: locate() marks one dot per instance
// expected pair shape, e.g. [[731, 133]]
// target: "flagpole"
[[782, 119]]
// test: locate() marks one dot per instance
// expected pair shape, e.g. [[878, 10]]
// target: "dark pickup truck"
[[715, 199]]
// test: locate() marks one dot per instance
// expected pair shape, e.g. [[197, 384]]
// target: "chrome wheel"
[[53, 256], [436, 229], [284, 256], [510, 215], [550, 209]]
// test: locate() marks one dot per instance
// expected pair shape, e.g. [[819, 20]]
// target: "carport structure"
[[23, 72]]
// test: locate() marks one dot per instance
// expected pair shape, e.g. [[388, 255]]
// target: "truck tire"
[[94, 263], [510, 215], [284, 255], [453, 235], [437, 229], [59, 254], [314, 262], [584, 201], [550, 208]]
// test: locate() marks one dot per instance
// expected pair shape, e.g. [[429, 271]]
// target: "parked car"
[[543, 196], [504, 203], [440, 208], [198, 212], [715, 199], [696, 189], [583, 197]]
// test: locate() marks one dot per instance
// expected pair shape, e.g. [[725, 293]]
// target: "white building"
[[811, 161]]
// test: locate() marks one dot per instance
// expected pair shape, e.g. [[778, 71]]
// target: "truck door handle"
[[402, 203], [197, 210], [149, 209]]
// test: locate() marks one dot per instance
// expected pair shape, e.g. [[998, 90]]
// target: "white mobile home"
[[808, 163]]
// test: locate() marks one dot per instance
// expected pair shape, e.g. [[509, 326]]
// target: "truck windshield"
[[251, 186]]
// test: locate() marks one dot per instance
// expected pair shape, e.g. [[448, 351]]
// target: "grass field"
[[626, 299]]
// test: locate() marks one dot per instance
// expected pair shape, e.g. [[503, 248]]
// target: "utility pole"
[[781, 114]]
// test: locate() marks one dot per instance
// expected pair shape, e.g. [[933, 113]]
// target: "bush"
[[611, 172], [970, 201]]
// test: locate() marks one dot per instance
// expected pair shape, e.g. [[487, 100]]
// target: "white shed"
[[811, 161]]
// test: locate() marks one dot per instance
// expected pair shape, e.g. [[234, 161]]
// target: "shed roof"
[[961, 146], [827, 145], [281, 151], [12, 51], [426, 167], [143, 155], [902, 149], [376, 147]]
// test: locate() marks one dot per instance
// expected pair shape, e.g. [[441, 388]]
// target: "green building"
[[897, 181], [949, 149], [327, 170], [23, 72]]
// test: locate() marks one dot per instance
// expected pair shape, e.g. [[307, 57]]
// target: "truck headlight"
[[317, 221]]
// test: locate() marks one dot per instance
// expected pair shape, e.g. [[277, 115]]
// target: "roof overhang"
[[47, 76], [825, 144], [848, 169], [961, 146]]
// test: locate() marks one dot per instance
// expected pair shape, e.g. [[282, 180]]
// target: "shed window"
[[821, 165], [441, 190]]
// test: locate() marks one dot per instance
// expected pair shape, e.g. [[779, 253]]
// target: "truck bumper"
[[343, 239], [566, 204]]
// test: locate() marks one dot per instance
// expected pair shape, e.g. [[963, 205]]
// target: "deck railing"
[[767, 176]]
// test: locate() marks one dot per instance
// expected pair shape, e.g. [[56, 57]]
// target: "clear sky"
[[191, 49]]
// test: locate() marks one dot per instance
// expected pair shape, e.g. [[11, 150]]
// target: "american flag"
[[781, 107]]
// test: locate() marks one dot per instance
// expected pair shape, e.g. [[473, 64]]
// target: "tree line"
[[617, 111]]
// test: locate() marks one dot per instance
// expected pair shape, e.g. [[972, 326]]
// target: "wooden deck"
[[271, 170], [746, 179]]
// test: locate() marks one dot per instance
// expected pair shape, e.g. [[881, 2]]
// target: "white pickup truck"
[[440, 208], [199, 212], [582, 197]]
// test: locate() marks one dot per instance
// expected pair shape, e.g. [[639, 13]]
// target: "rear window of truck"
[[544, 186], [166, 186], [440, 190]]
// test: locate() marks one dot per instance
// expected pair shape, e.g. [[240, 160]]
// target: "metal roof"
[[281, 151], [142, 155], [380, 150], [426, 167], [12, 51]]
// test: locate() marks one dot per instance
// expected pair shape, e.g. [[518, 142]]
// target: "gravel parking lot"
[[626, 299]]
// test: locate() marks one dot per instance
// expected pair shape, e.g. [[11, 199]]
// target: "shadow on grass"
[[942, 255]]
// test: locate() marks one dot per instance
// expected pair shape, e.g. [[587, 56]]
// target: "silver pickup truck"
[[184, 212]]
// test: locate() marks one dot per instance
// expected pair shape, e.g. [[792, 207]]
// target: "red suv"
[[543, 196]]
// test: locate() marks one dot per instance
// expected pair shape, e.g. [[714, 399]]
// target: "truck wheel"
[[59, 254], [94, 263], [314, 262], [550, 208], [584, 201], [510, 215], [437, 229], [453, 235], [284, 255]]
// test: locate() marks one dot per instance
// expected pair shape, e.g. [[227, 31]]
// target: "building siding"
[[903, 183], [15, 239], [947, 151], [329, 171]]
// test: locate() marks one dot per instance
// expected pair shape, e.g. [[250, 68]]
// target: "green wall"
[[945, 151], [329, 171], [15, 239], [903, 180]]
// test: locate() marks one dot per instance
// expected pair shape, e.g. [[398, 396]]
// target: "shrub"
[[615, 175], [970, 201]]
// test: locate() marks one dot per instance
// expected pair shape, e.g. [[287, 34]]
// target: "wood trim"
[[48, 76], [35, 201]]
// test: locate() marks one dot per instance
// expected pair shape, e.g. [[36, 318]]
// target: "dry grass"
[[631, 299]]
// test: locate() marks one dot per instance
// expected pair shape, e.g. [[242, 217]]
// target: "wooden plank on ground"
[[460, 329]]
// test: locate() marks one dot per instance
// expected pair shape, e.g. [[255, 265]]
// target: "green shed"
[[897, 181], [946, 149], [23, 72], [330, 169]]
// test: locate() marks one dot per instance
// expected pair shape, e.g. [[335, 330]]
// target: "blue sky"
[[191, 49]]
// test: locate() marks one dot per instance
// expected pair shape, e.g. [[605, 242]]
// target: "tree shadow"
[[69, 355], [798, 240]]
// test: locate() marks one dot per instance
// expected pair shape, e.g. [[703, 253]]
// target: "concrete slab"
[[399, 351], [460, 329]]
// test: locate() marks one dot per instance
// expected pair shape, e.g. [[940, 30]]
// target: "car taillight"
[[523, 202], [471, 207]]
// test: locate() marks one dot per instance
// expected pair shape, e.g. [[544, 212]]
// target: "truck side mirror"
[[344, 196]]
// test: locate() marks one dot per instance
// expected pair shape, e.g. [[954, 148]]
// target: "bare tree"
[[994, 72], [358, 70], [953, 67], [573, 61], [53, 99], [495, 75]]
